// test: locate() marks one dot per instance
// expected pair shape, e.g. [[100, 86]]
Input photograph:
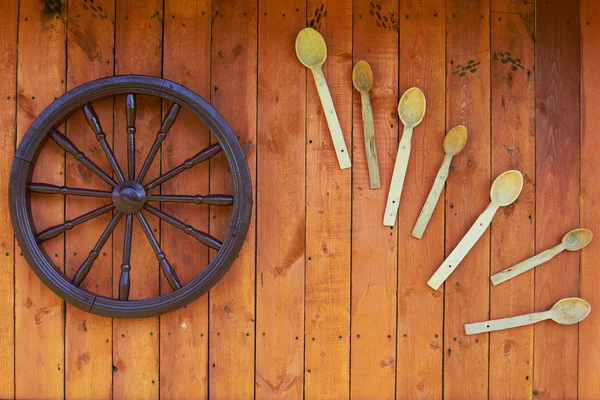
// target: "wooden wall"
[[324, 301]]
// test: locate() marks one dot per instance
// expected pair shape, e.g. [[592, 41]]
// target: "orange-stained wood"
[[39, 313], [138, 49], [490, 67], [8, 85], [233, 74], [557, 190], [88, 338], [420, 309], [513, 231], [328, 211], [280, 191], [467, 195], [184, 333], [589, 349], [374, 255]]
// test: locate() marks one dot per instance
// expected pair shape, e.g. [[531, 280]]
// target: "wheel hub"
[[129, 197]]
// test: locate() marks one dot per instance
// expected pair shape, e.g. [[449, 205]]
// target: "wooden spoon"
[[312, 52], [411, 110], [454, 142], [574, 240], [570, 310], [362, 78], [505, 190]]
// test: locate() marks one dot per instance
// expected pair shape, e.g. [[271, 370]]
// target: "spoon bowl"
[[411, 107], [455, 140], [577, 239], [506, 188], [362, 76], [311, 48], [570, 310]]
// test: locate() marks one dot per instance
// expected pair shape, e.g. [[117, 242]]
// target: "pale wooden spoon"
[[574, 240], [505, 190], [567, 311], [454, 143], [312, 52], [362, 78], [411, 110]]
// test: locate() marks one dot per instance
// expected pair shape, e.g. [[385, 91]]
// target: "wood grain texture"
[[138, 49], [39, 313], [88, 338], [249, 70], [467, 195], [374, 255], [589, 288], [232, 312], [328, 211], [184, 333], [420, 309], [513, 229], [8, 113], [281, 194], [557, 190]]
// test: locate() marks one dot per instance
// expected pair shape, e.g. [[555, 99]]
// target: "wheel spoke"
[[124, 281], [85, 268], [94, 123], [203, 155], [160, 256], [160, 136], [131, 110], [213, 199], [70, 148], [202, 237], [58, 229], [53, 189]]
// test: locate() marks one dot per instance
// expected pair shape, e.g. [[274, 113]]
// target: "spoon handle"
[[526, 265], [506, 323], [369, 131], [432, 199], [463, 247], [393, 200], [332, 120]]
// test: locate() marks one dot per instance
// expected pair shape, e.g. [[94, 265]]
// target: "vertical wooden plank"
[[513, 230], [420, 309], [589, 279], [184, 339], [281, 202], [557, 190], [374, 255], [467, 195], [8, 63], [138, 50], [233, 71], [328, 208], [88, 342], [39, 314]]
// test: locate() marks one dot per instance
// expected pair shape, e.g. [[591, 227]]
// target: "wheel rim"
[[128, 196]]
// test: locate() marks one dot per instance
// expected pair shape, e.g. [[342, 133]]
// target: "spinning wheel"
[[130, 197]]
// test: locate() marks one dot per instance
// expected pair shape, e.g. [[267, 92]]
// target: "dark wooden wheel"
[[130, 196]]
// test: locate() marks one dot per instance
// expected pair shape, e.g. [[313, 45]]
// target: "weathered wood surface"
[[374, 249], [39, 315], [317, 262], [138, 36], [556, 351], [88, 338], [467, 195], [8, 89], [513, 232]]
